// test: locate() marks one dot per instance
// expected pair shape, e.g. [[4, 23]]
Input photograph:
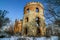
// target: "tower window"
[[38, 30], [25, 31], [27, 19], [37, 21], [37, 10], [28, 10]]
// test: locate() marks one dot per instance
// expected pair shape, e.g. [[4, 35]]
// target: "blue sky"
[[15, 7]]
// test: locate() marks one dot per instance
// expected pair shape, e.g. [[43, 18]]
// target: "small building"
[[18, 26]]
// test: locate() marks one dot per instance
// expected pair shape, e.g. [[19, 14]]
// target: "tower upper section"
[[35, 7]]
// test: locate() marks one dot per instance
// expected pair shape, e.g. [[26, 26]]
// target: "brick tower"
[[33, 21]]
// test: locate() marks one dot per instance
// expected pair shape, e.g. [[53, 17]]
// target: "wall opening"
[[37, 10], [26, 19], [28, 10], [25, 31], [38, 31], [37, 21]]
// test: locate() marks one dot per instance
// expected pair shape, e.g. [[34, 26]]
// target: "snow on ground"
[[31, 38]]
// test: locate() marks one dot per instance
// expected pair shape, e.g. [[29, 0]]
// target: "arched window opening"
[[27, 19], [28, 10], [37, 21], [26, 31], [38, 30], [37, 10]]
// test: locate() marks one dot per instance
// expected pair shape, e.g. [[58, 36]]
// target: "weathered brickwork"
[[18, 26], [33, 20], [33, 23]]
